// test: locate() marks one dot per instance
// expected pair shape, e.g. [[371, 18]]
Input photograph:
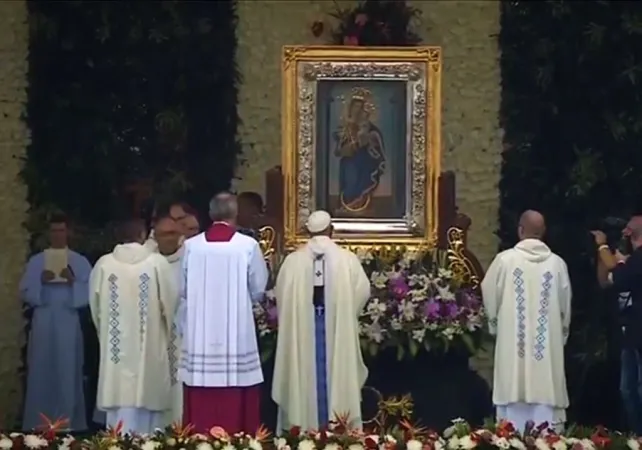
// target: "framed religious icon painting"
[[361, 139]]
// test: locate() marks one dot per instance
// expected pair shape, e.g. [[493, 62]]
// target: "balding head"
[[223, 208], [633, 231], [531, 225]]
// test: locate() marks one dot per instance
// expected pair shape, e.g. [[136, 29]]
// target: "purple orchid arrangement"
[[417, 303]]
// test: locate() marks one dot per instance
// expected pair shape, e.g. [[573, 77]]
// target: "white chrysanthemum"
[[453, 443], [517, 444], [33, 441], [229, 447], [390, 439], [255, 445], [414, 444], [65, 443], [541, 444], [439, 445], [379, 280], [203, 446], [115, 447], [501, 442], [559, 445], [466, 442], [153, 445], [332, 446], [6, 443], [633, 444], [306, 444], [170, 442], [418, 335], [356, 447], [588, 444]]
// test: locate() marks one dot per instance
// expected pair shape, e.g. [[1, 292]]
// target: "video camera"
[[612, 227]]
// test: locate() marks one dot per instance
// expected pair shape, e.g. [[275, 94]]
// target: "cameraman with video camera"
[[622, 270]]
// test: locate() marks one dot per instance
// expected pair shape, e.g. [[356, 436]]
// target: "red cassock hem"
[[234, 409]]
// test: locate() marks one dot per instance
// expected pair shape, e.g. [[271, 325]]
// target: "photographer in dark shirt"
[[624, 273]]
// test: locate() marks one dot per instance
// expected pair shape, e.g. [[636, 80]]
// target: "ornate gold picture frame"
[[361, 138]]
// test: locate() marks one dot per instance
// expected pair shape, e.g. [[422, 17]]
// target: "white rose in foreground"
[[467, 443], [633, 444], [413, 444]]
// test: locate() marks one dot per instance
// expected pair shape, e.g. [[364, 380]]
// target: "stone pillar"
[[14, 139]]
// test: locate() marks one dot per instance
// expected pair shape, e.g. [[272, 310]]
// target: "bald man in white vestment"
[[321, 290], [527, 296], [133, 299]]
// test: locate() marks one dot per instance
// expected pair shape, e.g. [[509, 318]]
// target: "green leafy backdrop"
[[572, 91], [127, 91]]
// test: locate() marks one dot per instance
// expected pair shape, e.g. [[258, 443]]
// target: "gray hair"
[[223, 207]]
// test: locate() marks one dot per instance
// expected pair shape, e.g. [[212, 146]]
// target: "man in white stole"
[[168, 238], [321, 290], [527, 296], [224, 273], [133, 300]]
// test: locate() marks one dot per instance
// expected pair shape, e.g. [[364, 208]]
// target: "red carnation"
[[370, 443], [295, 431]]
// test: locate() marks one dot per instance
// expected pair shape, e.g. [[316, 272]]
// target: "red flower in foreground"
[[295, 431], [49, 428], [351, 40], [370, 443]]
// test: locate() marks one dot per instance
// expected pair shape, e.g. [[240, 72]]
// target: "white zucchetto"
[[318, 221]]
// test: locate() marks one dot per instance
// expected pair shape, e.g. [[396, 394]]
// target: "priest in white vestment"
[[527, 296], [224, 273], [168, 237], [321, 290], [133, 299]]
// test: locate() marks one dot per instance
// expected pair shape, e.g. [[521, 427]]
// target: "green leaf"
[[266, 352], [468, 342], [413, 346], [401, 352]]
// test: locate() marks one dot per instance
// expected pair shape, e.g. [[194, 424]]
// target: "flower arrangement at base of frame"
[[417, 304], [337, 436]]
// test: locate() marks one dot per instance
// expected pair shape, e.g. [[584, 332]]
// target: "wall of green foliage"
[[572, 90], [125, 91]]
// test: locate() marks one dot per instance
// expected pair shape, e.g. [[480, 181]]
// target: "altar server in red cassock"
[[223, 273]]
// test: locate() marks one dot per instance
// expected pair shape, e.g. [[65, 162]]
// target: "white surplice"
[[175, 414], [347, 290], [133, 300], [527, 297], [220, 281]]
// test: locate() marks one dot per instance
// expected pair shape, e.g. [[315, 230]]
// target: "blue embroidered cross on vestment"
[[520, 300], [542, 319], [143, 303], [113, 320]]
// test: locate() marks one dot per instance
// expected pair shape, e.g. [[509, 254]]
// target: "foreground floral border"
[[338, 436]]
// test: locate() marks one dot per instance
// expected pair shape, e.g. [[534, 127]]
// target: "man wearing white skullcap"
[[321, 290]]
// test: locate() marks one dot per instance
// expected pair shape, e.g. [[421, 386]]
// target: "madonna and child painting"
[[361, 162]]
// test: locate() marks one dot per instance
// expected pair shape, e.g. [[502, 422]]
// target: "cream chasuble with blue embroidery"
[[527, 296], [133, 300]]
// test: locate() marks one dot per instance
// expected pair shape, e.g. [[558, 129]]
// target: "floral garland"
[[417, 303], [338, 436], [372, 23]]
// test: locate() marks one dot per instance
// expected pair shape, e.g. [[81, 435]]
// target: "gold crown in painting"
[[359, 93]]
